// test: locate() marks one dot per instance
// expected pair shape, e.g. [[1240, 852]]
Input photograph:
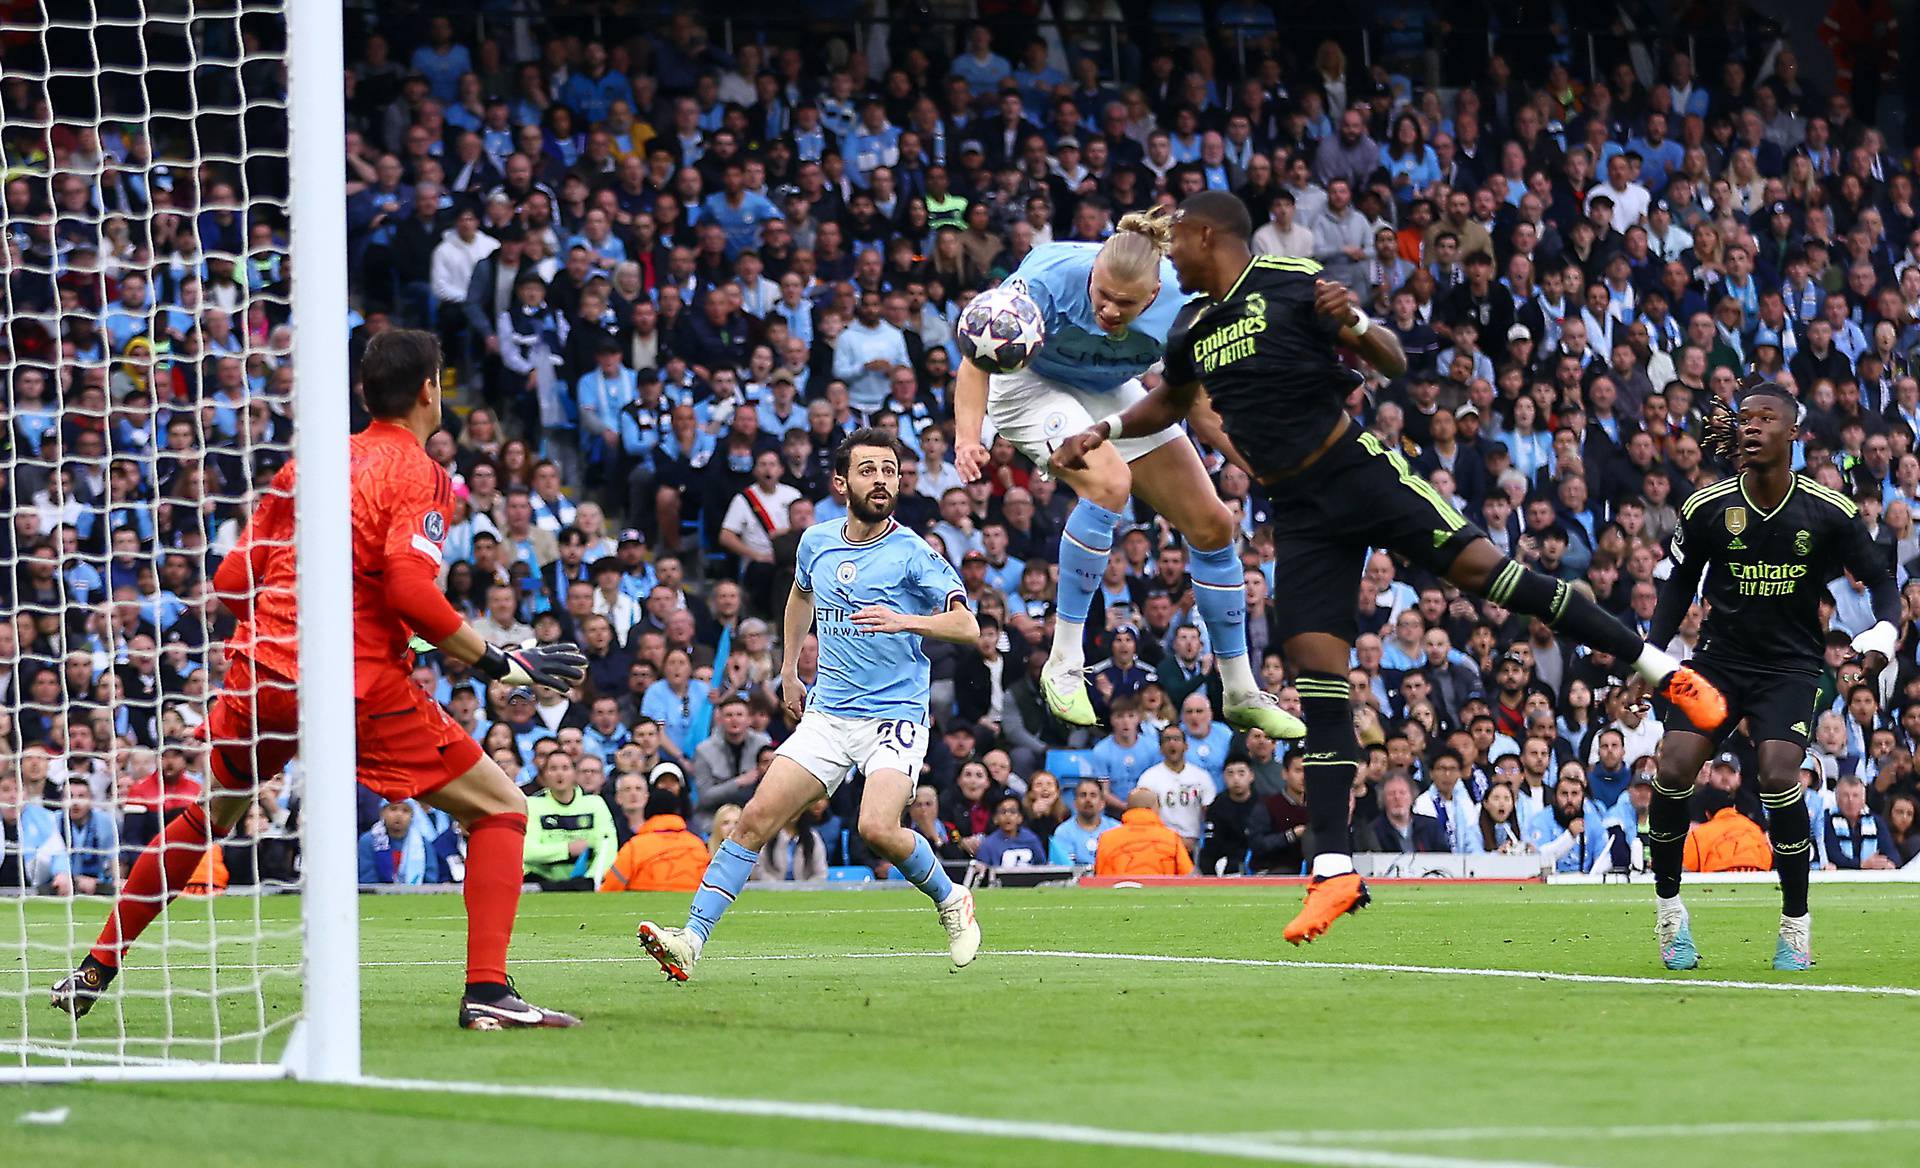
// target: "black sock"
[[1332, 755], [1667, 823], [488, 991], [1791, 830], [1566, 608]]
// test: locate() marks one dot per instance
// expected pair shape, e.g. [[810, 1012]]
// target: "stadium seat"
[[849, 874], [1070, 766]]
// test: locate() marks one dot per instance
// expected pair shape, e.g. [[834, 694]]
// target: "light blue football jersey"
[[862, 674], [1077, 352]]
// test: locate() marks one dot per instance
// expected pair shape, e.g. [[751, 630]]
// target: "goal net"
[[147, 363]]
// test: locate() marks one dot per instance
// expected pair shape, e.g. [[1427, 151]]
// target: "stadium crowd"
[[669, 276]]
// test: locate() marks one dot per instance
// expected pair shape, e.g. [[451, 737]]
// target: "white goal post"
[[201, 112]]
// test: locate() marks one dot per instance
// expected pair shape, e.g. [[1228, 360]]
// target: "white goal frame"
[[324, 1045]]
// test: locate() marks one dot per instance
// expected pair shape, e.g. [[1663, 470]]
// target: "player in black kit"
[[1766, 541], [1256, 360]]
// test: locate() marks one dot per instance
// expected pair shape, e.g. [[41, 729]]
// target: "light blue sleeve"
[[1038, 273], [803, 560], [933, 576]]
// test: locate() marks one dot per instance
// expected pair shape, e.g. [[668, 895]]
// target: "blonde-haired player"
[[1108, 308]]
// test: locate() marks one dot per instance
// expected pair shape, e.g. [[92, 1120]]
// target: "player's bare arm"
[[799, 619], [1163, 406], [969, 415], [1377, 346], [957, 624], [1211, 429]]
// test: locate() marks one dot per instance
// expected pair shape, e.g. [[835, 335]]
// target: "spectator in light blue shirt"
[[604, 392], [33, 834], [740, 212], [591, 91], [131, 316], [441, 60], [875, 142], [679, 703], [980, 67], [866, 355], [1075, 841], [1207, 740], [92, 842]]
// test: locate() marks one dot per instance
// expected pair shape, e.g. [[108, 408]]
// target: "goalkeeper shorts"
[[403, 753]]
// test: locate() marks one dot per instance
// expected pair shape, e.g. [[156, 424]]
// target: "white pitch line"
[[1235, 1147], [1180, 959], [1642, 1131]]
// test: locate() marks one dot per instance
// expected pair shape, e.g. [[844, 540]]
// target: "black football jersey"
[[1267, 360], [1763, 572]]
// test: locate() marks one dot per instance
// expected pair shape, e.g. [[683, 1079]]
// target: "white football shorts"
[[831, 747]]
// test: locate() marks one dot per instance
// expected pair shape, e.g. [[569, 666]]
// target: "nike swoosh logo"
[[530, 1015]]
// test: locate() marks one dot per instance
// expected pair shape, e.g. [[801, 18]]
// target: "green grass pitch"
[[847, 1000]]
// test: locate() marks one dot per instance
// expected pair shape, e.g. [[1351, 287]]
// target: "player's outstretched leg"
[[1480, 568], [1171, 479], [1332, 757], [1084, 546], [786, 789], [881, 804], [1790, 829], [251, 724], [1681, 756], [1220, 593], [486, 802]]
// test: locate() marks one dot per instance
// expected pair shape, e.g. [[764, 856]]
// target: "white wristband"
[[1114, 428], [1361, 325]]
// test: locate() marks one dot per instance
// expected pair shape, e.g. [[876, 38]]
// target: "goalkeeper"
[[408, 747]]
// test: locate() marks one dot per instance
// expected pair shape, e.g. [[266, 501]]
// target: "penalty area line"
[[1264, 1150]]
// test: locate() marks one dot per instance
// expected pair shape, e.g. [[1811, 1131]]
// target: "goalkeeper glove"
[[559, 666]]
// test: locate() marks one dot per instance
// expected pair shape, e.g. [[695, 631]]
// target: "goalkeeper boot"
[[1674, 931], [76, 993], [1260, 710], [508, 1011], [1067, 698], [1328, 898], [963, 932], [675, 949], [1794, 953], [1695, 697]]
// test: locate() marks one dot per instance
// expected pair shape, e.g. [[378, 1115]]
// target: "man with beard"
[[876, 589], [1767, 542], [1563, 831]]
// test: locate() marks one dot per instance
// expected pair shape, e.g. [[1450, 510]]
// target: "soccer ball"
[[1001, 329]]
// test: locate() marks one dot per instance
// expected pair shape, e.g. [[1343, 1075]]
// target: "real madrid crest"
[[1802, 542], [1736, 520]]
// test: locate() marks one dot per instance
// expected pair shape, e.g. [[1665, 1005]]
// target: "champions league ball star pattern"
[[1001, 330]]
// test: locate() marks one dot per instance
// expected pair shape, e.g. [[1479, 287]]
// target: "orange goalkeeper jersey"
[[399, 498]]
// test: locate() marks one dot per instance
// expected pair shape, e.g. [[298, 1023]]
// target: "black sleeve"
[[1676, 596], [1177, 365], [1872, 564]]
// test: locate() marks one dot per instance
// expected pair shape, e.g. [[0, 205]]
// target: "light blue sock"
[[1083, 559], [922, 870], [726, 876], [1220, 592]]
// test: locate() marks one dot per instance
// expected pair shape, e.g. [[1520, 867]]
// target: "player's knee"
[[1212, 528], [877, 827], [754, 828], [1106, 482]]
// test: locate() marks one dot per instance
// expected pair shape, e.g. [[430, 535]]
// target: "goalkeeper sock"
[[1667, 836], [1791, 829], [162, 870], [1083, 560], [922, 870], [725, 877], [1220, 593], [496, 847]]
